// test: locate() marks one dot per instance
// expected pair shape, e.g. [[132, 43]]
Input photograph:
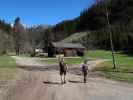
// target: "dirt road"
[[44, 84]]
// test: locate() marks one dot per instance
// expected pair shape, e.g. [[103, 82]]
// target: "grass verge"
[[124, 63], [8, 68]]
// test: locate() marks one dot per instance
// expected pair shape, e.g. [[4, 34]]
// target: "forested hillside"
[[6, 38], [93, 19]]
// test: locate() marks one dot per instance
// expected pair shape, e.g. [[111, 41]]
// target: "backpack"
[[84, 67], [63, 66]]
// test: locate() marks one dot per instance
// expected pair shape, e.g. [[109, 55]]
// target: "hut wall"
[[70, 52]]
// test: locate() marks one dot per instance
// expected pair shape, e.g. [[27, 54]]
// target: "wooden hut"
[[67, 49]]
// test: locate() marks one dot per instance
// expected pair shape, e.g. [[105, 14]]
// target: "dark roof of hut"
[[67, 45]]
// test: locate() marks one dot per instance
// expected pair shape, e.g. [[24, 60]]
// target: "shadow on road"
[[71, 81], [52, 83]]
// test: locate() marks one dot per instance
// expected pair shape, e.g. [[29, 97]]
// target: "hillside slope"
[[76, 37], [85, 38]]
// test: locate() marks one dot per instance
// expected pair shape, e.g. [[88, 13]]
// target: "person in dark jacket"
[[85, 70], [63, 70]]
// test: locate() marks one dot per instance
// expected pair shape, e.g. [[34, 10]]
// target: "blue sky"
[[46, 12]]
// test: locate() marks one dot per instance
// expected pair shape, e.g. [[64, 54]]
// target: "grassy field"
[[124, 63], [8, 68], [7, 62], [98, 54]]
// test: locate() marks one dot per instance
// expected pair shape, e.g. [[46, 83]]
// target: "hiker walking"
[[85, 70], [63, 70]]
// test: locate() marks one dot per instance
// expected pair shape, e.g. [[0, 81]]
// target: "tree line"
[[93, 19], [20, 39]]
